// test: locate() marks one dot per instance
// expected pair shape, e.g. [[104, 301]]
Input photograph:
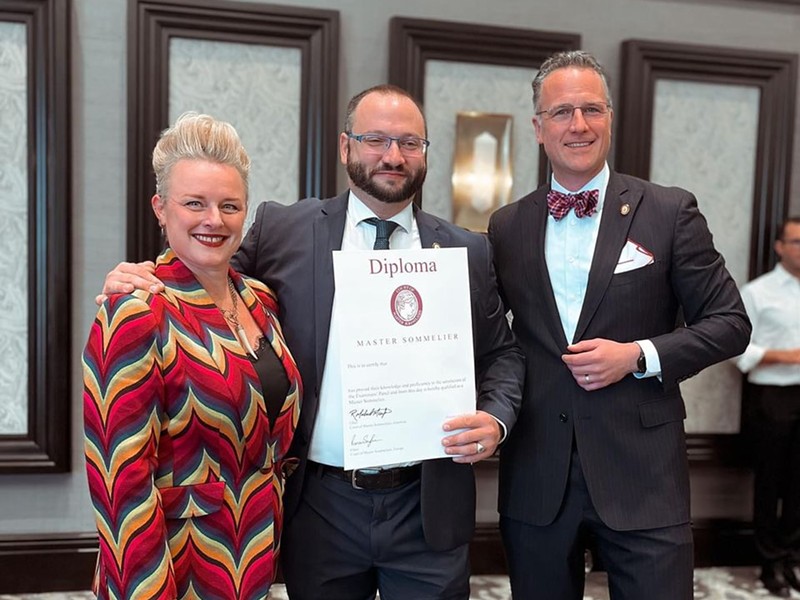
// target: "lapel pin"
[[624, 209], [436, 245]]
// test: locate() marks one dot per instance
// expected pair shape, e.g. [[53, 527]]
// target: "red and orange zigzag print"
[[182, 461]]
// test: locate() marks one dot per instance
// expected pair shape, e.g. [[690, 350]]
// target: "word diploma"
[[404, 329]]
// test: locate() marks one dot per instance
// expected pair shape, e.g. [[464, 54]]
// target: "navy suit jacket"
[[289, 248], [629, 435]]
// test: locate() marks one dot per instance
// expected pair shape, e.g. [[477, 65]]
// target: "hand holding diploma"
[[479, 439], [407, 364]]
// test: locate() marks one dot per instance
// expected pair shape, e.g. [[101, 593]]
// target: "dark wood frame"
[[45, 448], [413, 42], [36, 563], [775, 74], [153, 23]]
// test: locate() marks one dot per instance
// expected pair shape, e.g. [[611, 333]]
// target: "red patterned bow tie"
[[584, 203]]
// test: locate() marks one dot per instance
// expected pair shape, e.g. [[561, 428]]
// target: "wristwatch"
[[641, 362]]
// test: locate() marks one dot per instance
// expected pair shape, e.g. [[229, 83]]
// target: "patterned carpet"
[[735, 583]]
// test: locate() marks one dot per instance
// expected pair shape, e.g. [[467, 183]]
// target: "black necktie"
[[383, 230]]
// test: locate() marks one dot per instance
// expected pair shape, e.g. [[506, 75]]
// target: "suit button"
[[563, 417]]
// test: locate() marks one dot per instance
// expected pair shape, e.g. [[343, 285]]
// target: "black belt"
[[372, 479]]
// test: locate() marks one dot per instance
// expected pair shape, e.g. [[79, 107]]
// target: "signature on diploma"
[[376, 411], [366, 439]]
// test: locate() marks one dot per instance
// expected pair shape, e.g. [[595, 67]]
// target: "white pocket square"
[[633, 256]]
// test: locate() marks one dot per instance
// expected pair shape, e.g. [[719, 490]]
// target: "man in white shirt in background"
[[772, 364]]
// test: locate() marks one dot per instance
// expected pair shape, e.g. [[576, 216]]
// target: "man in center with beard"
[[401, 529], [404, 530]]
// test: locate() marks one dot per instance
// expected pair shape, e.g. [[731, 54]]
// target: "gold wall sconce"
[[482, 176]]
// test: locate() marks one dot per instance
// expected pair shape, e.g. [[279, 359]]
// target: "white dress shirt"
[[327, 442], [773, 305], [569, 249]]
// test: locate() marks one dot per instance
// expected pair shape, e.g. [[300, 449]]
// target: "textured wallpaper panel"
[[257, 89], [704, 140], [13, 230], [453, 87]]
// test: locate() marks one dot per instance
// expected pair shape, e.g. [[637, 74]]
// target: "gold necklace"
[[232, 316]]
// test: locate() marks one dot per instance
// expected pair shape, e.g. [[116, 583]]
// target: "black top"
[[274, 382]]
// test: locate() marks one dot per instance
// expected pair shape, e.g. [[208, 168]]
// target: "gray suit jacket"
[[289, 248], [629, 435]]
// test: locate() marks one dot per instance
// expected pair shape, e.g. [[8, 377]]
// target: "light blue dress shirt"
[[569, 249]]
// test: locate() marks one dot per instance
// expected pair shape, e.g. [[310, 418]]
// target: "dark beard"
[[363, 181]]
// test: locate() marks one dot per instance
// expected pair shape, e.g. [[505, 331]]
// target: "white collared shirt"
[[569, 249], [327, 442], [773, 305]]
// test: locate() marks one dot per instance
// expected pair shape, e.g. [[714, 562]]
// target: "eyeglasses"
[[376, 143], [563, 113], [793, 242]]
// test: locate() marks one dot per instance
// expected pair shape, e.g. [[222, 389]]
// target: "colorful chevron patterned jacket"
[[185, 472]]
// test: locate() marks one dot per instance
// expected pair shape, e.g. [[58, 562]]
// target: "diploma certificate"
[[405, 333]]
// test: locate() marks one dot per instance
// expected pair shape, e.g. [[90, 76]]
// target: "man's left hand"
[[479, 441], [598, 363]]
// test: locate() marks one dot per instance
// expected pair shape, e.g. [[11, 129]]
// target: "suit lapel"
[[264, 442], [614, 226], [253, 304], [532, 226], [328, 234], [199, 312], [203, 322], [430, 234]]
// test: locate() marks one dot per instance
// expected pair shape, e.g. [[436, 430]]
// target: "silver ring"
[[586, 377], [480, 447]]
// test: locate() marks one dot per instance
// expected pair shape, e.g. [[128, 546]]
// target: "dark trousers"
[[547, 562], [345, 544], [776, 489]]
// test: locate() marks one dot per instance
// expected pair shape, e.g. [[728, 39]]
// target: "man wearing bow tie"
[[617, 295]]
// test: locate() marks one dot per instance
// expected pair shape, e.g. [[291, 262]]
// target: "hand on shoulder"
[[127, 277]]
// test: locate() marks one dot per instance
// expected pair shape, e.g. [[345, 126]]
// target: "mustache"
[[390, 168]]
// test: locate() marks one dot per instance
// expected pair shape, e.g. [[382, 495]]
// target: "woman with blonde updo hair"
[[190, 395]]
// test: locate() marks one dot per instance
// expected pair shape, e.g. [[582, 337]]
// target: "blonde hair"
[[196, 136]]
